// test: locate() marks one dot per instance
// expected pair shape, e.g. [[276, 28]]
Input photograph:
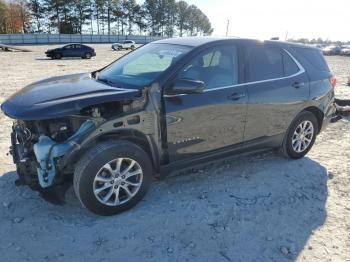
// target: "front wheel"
[[112, 177], [300, 136], [58, 56]]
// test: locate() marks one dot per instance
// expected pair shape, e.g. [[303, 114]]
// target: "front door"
[[68, 50], [201, 123]]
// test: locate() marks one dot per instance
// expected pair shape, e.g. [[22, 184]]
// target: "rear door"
[[278, 88], [79, 50]]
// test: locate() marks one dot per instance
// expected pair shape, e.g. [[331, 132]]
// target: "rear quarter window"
[[314, 57], [290, 67]]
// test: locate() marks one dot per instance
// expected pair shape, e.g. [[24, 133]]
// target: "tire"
[[87, 56], [120, 48], [292, 149], [132, 47], [58, 56], [93, 167]]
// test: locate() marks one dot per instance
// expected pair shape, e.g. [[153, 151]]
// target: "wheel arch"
[[318, 113], [140, 139]]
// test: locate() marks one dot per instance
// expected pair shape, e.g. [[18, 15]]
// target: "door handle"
[[236, 96], [297, 84]]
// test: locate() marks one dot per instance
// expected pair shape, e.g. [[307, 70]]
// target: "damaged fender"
[[47, 151]]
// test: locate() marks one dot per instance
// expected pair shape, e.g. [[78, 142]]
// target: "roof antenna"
[[227, 26]]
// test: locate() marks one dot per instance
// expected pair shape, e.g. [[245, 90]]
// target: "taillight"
[[333, 81]]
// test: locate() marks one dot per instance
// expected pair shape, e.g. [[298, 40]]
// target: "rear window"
[[314, 57], [264, 63]]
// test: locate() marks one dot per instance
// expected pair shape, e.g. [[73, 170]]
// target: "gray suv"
[[169, 104]]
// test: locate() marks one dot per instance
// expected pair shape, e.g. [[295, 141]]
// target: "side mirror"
[[186, 86]]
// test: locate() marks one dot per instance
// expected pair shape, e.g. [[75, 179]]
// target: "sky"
[[263, 19]]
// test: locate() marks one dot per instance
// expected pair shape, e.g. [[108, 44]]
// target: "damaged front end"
[[45, 151], [37, 148]]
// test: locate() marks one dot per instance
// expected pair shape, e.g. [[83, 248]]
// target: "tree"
[[14, 17], [157, 17], [4, 12], [129, 9], [37, 11], [182, 17], [152, 15], [82, 10], [140, 14], [171, 11]]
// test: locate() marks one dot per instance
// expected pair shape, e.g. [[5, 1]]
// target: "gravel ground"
[[258, 207]]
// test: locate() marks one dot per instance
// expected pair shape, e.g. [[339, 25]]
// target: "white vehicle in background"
[[345, 50], [127, 44]]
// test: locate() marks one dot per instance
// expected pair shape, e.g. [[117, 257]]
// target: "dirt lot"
[[260, 207]]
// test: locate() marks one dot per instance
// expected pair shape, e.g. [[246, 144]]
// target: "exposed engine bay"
[[38, 147]]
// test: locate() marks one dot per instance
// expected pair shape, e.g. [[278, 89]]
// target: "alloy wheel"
[[118, 181], [302, 136]]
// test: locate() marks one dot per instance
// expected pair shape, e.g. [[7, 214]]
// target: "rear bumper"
[[329, 115]]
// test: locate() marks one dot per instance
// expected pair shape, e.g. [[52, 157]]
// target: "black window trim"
[[301, 71]]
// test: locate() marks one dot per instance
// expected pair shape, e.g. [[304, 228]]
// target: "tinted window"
[[314, 57], [290, 67], [78, 46], [264, 63], [68, 46], [216, 67]]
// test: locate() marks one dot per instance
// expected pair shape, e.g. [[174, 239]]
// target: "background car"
[[345, 50], [127, 44], [331, 50], [71, 50]]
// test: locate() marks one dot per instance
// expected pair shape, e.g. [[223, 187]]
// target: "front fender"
[[141, 125]]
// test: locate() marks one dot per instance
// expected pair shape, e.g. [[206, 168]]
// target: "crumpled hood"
[[62, 96]]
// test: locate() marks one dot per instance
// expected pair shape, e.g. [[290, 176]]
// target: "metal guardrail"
[[13, 39]]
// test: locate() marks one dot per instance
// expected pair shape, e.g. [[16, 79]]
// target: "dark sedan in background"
[[71, 50]]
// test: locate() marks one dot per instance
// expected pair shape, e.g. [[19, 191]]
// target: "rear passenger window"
[[290, 67], [264, 63]]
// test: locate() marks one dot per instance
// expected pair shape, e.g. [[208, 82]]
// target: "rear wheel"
[[112, 177], [132, 47], [87, 56], [300, 136]]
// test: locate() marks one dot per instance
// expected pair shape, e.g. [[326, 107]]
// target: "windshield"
[[141, 67]]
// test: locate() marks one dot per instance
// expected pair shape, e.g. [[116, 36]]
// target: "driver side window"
[[216, 67]]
